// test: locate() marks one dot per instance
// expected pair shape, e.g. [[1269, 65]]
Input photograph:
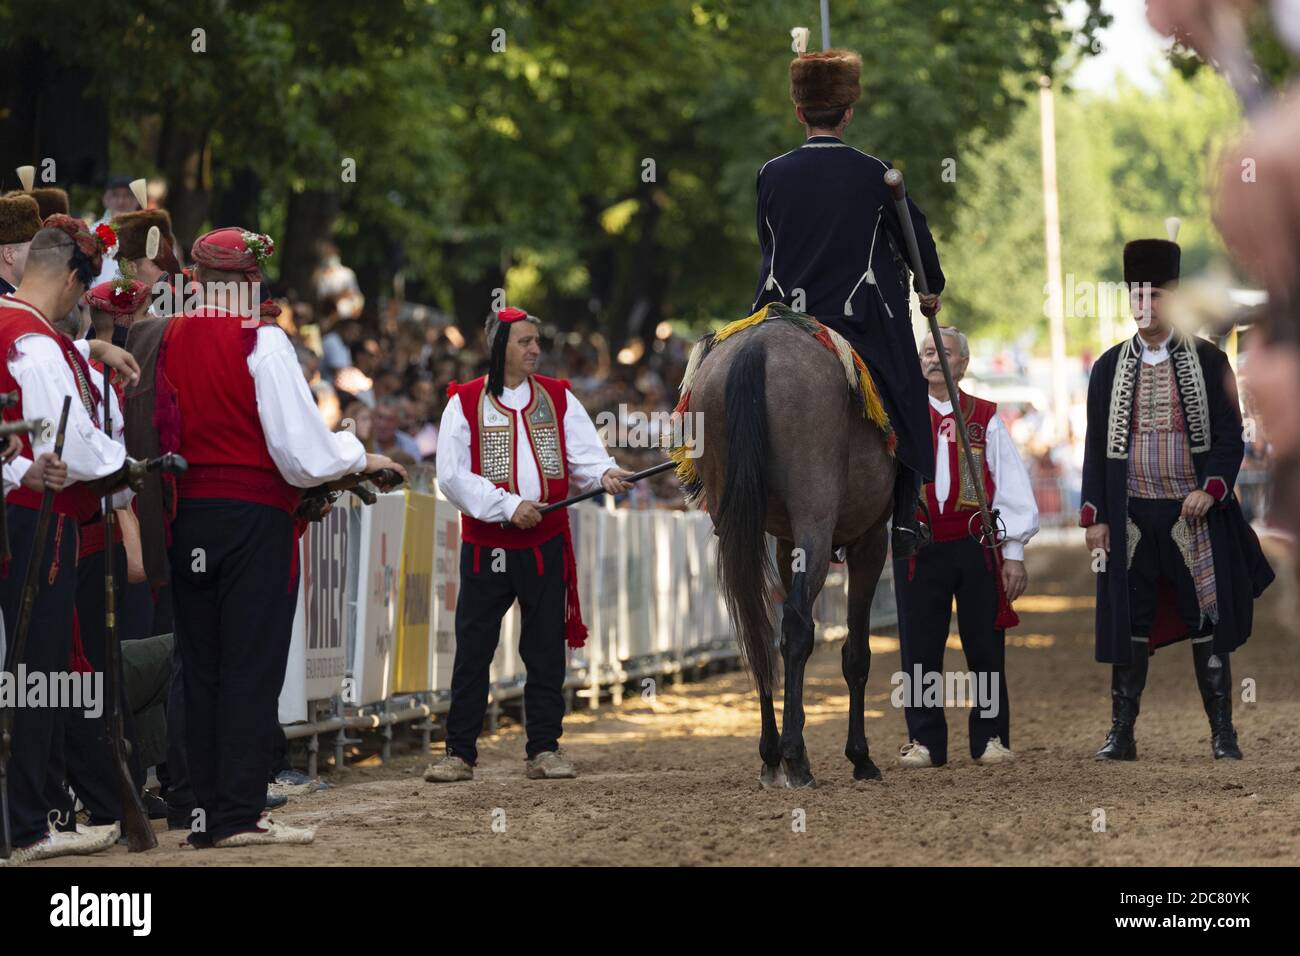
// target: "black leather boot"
[[1214, 678], [1127, 682], [909, 534]]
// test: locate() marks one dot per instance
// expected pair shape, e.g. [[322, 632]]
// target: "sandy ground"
[[675, 780]]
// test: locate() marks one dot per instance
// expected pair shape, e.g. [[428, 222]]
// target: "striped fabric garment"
[[1160, 466]]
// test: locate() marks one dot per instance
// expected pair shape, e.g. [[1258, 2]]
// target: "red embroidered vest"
[[963, 501], [493, 440], [206, 409], [77, 500]]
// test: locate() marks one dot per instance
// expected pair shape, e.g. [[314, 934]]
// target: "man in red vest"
[[231, 398], [958, 565], [43, 366], [509, 442]]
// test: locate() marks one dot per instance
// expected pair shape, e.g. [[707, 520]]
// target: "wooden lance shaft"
[[894, 180]]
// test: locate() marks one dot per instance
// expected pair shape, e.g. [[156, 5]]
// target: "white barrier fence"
[[374, 636]]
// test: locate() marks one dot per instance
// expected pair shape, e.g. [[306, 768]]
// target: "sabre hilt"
[[25, 427]]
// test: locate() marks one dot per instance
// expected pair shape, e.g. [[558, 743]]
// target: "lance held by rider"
[[509, 443]]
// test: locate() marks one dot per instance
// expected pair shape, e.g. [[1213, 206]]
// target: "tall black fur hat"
[[1157, 261]]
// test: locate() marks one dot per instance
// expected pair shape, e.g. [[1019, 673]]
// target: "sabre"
[[600, 491], [637, 476], [139, 834], [31, 584], [988, 520]]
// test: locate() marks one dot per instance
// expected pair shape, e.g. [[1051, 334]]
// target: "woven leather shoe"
[[550, 765], [448, 770]]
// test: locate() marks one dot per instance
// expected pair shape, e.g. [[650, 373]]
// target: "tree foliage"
[[505, 144]]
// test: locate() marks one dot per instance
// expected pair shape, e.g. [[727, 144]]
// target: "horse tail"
[[746, 575]]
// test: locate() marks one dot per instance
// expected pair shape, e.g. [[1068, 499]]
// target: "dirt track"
[[676, 781]]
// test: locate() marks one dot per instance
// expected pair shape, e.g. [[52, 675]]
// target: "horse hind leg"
[[769, 745], [866, 560], [806, 581]]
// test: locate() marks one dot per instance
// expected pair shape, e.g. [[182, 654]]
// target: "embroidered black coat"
[[1207, 392], [827, 227]]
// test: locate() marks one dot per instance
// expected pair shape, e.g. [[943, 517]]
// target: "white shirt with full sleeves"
[[303, 449], [38, 366], [479, 498], [1013, 494]]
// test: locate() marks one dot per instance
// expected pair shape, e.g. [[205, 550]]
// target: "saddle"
[[857, 377]]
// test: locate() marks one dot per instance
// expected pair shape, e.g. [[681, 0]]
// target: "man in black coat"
[[831, 244], [1175, 557]]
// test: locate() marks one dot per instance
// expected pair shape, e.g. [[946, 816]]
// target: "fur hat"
[[52, 200], [1156, 261], [20, 219], [829, 80], [133, 232]]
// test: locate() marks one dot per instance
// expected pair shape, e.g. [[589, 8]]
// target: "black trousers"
[[944, 570], [485, 597], [36, 759], [234, 602], [1155, 557]]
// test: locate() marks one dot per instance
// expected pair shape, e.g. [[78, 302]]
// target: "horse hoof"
[[772, 777], [797, 778], [866, 771]]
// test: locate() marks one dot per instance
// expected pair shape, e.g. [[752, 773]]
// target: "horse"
[[785, 452]]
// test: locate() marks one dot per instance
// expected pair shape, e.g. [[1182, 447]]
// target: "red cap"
[[511, 315], [117, 299]]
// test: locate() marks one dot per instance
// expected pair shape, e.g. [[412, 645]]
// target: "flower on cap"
[[262, 247], [106, 238]]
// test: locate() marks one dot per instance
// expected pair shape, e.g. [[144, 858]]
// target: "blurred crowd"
[[386, 379]]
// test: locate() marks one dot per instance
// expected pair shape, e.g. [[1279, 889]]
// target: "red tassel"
[[77, 662], [575, 632]]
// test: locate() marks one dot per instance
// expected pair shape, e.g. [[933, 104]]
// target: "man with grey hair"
[[957, 565], [508, 442]]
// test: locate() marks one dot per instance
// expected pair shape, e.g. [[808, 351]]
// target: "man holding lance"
[[958, 566], [1175, 556], [831, 239], [231, 399], [509, 441], [44, 367]]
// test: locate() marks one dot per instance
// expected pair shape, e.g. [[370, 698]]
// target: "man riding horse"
[[831, 244]]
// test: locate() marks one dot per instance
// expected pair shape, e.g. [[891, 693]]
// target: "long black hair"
[[497, 359]]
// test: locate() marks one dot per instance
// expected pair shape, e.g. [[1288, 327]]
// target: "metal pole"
[[826, 25], [1055, 292]]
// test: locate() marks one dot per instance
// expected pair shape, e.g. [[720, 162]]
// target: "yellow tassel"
[[740, 325]]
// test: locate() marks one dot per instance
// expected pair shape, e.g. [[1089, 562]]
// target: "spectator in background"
[[388, 436]]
